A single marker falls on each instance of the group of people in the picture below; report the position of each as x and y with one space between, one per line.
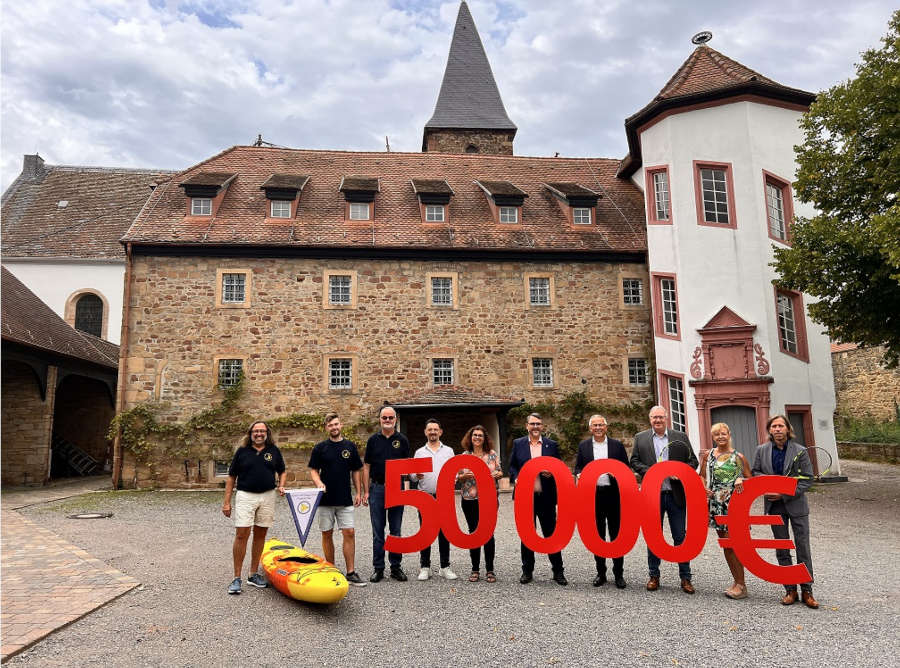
257 472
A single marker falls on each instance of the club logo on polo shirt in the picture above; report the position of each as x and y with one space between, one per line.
345 454
396 445
268 456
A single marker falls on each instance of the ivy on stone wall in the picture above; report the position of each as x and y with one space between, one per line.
569 417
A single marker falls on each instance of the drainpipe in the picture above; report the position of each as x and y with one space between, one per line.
118 460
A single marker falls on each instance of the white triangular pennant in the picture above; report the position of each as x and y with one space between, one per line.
303 504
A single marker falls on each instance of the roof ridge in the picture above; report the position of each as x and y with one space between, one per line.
113 170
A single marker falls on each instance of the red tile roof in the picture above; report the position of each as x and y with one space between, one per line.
843 347
455 395
320 218
29 321
100 205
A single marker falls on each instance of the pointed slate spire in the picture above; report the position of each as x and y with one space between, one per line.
469 114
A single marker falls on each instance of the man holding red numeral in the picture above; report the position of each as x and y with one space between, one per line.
525 448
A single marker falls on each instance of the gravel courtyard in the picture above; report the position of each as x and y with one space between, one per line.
178 545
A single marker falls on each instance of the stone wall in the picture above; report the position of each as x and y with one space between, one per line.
458 141
26 424
862 386
176 334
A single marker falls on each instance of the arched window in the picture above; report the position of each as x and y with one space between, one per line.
89 314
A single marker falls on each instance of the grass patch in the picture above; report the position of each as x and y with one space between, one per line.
868 430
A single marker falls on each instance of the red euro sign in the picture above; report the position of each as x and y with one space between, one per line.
739 520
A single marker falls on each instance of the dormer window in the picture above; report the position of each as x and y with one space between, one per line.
576 201
359 194
283 193
505 199
434 197
205 192
201 206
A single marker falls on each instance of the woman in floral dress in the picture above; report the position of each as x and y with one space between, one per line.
477 442
724 470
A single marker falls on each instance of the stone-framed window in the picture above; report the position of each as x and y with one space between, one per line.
542 371
632 292
87 310
233 287
220 468
637 371
229 371
441 289
659 196
201 206
791 322
779 208
714 189
442 371
339 289
539 290
340 373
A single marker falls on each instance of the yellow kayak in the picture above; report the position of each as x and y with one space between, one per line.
302 575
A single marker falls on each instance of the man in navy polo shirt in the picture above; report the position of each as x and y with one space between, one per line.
332 463
388 443
252 471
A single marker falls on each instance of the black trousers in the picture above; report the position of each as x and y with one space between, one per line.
545 512
608 512
443 550
470 510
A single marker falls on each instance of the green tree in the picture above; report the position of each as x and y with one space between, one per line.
849 169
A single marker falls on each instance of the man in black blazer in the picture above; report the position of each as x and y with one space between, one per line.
649 447
525 448
607 505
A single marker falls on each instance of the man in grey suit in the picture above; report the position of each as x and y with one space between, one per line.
777 457
649 448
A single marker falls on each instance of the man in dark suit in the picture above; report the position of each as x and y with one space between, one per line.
649 448
776 457
525 448
607 505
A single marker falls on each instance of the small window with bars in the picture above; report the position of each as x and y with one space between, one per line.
230 372
442 291
542 372
539 291
632 291
233 288
434 213
201 206
281 208
581 215
637 371
340 374
442 371
675 388
339 289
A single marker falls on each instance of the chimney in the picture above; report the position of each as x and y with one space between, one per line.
33 167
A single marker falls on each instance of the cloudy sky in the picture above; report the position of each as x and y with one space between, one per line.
167 83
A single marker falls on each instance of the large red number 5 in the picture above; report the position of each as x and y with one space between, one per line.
395 495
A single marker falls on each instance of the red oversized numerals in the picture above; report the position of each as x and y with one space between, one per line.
630 524
739 520
395 495
524 505
487 502
697 511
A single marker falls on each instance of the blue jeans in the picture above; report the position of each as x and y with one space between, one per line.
677 521
377 514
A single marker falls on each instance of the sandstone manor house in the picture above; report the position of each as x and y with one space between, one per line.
465 280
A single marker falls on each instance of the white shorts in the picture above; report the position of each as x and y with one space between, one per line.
252 509
328 515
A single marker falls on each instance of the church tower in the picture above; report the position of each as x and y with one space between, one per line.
469 116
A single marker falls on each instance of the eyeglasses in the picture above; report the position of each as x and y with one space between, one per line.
388 417
535 424
598 425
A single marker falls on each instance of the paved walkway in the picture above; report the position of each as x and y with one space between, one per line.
46 582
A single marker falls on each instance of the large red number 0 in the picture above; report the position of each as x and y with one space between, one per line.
395 495
524 505
630 524
487 502
697 511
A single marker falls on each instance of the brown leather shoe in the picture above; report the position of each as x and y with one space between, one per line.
808 600
791 597
686 586
653 583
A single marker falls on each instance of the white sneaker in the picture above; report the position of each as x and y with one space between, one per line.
447 574
424 573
